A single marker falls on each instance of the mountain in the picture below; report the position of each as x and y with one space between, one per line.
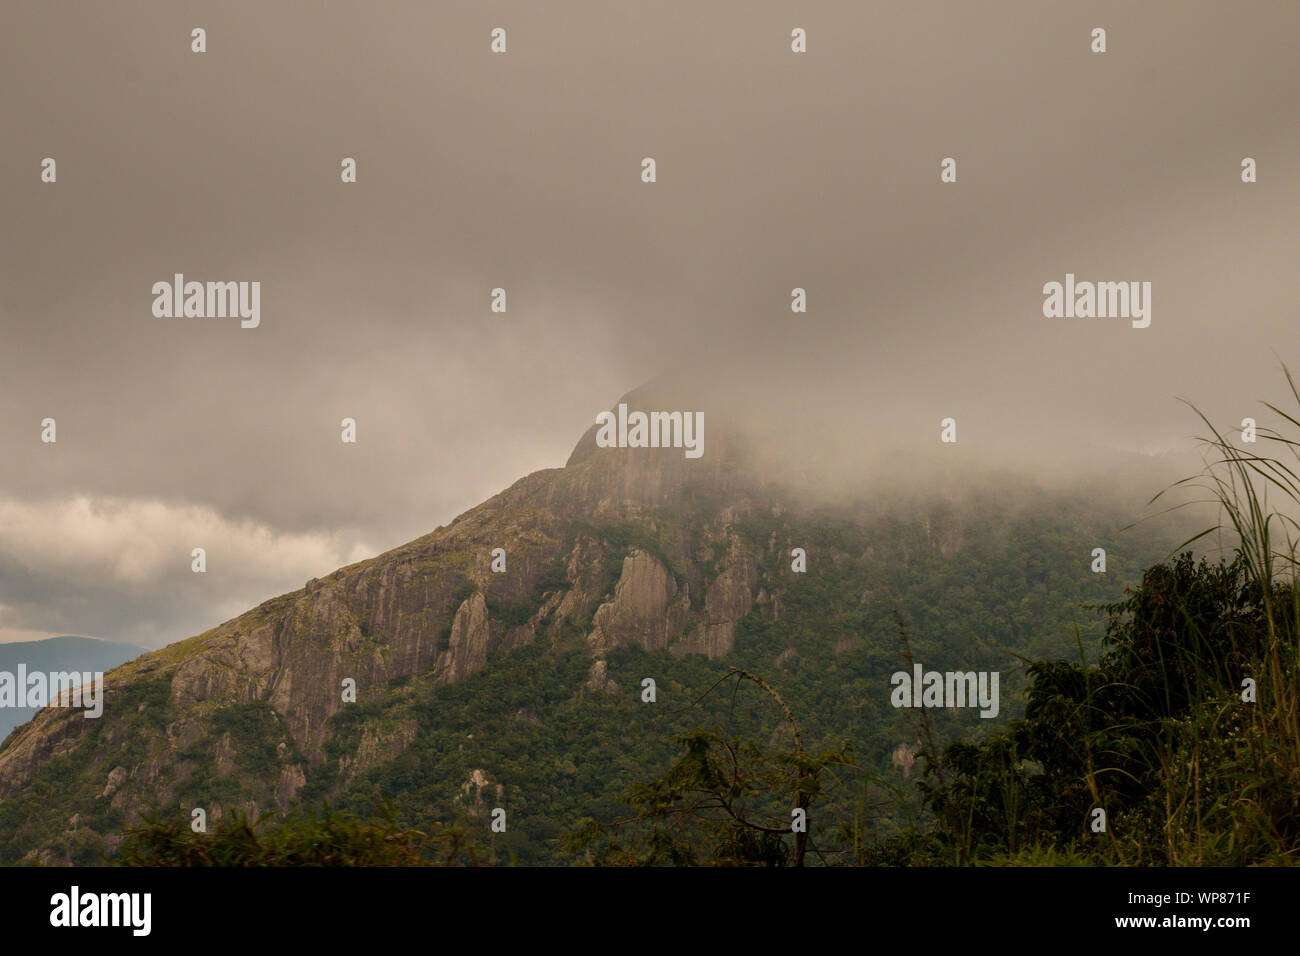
523 688
56 654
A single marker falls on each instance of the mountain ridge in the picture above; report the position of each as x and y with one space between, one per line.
622 548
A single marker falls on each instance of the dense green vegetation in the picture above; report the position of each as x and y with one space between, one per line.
303 839
1189 766
1172 704
1184 732
1180 745
797 716
556 753
1160 731
980 584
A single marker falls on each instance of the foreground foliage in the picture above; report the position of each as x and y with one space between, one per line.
309 838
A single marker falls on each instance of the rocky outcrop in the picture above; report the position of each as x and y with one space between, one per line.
729 598
582 571
469 639
644 612
292 779
376 746
477 791
116 777
598 678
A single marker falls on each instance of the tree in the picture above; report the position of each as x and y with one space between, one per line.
724 802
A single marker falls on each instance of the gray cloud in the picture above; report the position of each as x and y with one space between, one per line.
522 171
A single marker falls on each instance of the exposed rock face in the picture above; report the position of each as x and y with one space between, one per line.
469 639
376 746
115 779
643 611
291 781
904 756
729 598
477 790
598 677
581 568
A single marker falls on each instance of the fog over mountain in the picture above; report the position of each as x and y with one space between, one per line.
493 650
522 172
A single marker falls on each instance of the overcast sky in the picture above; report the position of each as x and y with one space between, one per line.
523 171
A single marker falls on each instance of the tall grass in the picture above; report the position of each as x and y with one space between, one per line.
1186 729
1258 500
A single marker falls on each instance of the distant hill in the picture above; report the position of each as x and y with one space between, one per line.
59 654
